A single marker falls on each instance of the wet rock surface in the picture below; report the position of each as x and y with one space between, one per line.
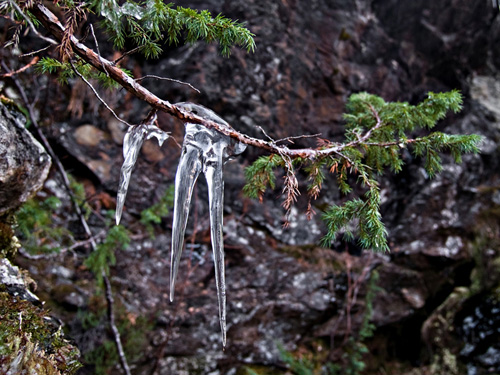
281 285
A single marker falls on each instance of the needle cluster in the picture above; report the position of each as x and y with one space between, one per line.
376 134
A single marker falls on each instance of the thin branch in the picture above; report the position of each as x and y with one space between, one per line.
290 139
35 52
126 54
265 133
64 250
168 79
114 329
97 95
97 48
20 70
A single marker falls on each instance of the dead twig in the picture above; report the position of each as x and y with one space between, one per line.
20 70
168 79
35 52
114 329
97 94
97 48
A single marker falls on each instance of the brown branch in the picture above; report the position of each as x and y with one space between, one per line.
20 70
52 24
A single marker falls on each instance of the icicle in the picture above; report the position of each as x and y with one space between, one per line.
204 150
132 143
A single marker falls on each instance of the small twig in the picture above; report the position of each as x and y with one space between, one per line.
97 95
97 48
34 52
126 54
111 317
32 27
168 79
20 70
62 251
267 135
290 139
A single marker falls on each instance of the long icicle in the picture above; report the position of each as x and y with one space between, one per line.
188 171
215 182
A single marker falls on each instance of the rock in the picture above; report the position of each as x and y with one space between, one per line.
89 135
15 283
24 163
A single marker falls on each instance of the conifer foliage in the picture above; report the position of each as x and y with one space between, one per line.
376 133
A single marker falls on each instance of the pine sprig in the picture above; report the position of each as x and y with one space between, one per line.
65 72
153 21
376 134
260 175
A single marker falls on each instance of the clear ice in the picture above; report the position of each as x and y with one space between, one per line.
204 150
132 143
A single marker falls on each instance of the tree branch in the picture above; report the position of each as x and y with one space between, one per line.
52 24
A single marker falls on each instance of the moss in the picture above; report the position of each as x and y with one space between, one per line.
29 342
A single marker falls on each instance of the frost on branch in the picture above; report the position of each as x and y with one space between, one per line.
132 143
204 150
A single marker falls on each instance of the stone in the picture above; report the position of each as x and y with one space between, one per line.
15 283
24 163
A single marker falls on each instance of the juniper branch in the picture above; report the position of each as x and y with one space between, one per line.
51 23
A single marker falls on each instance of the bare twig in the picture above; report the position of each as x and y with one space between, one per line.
111 317
97 48
20 70
35 52
97 95
265 133
168 79
64 250
126 54
290 139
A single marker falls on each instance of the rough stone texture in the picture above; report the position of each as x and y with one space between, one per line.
15 283
24 163
281 286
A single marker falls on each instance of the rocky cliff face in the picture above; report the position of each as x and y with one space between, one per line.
282 287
